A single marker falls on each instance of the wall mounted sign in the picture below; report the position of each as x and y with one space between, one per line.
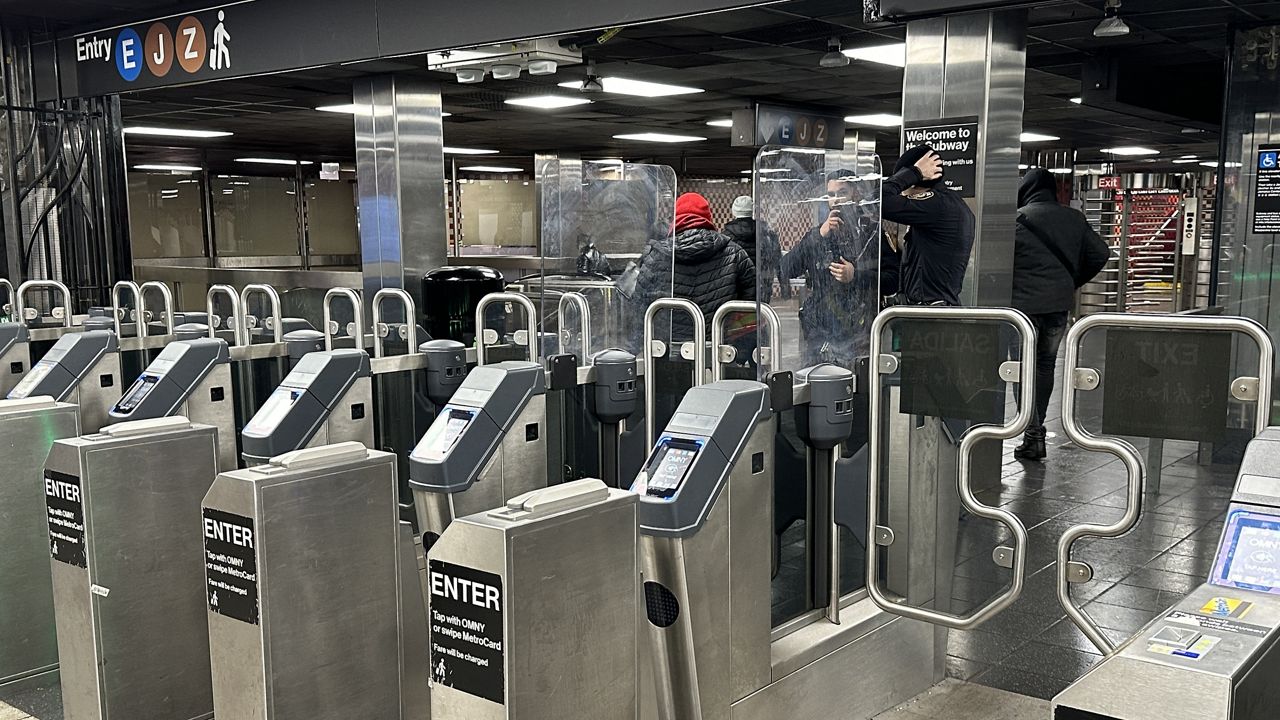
956 140
788 127
1266 191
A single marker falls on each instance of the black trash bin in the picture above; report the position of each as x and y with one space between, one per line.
450 296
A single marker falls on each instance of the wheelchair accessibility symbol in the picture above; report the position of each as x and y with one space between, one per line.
1268 160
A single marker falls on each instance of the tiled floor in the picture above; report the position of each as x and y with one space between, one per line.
956 700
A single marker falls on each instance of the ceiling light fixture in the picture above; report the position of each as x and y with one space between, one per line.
1111 25
721 123
491 169
638 88
175 132
1214 164
1030 137
468 151
894 54
1188 161
876 120
273 161
834 58
1188 157
659 137
548 102
169 168
1077 100
1130 150
1060 171
347 108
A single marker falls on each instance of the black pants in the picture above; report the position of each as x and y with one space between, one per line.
1050 327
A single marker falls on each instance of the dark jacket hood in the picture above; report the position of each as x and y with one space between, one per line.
1037 186
743 232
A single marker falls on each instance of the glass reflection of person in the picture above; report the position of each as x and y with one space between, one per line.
839 260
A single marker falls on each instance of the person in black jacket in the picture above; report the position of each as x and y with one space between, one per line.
1056 252
762 246
936 249
708 269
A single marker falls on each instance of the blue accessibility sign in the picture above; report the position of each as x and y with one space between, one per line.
1268 160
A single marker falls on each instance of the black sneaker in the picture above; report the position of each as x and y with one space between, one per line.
1030 449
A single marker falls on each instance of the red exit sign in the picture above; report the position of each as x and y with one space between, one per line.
1109 182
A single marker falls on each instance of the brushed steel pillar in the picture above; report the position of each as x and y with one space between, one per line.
400 182
975 65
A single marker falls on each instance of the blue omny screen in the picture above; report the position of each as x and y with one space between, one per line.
1249 557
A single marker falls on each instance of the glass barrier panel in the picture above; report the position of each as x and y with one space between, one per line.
254 216
166 215
497 217
332 228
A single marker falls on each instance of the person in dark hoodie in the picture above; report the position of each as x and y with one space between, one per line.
709 268
936 249
1056 252
761 244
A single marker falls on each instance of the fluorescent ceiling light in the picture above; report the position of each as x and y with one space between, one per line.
1077 100
894 54
273 161
169 168
1188 157
1024 167
188 182
348 108
492 169
175 132
659 137
1187 161
468 151
1060 171
1030 137
1130 150
877 120
721 123
1214 164
639 88
548 102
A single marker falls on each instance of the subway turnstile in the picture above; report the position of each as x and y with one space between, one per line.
128 574
15 355
534 608
314 603
28 640
81 368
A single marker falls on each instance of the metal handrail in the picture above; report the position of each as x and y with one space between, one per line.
763 312
166 297
239 329
55 286
356 328
1074 380
584 314
117 311
699 355
4 282
381 330
531 315
887 365
272 295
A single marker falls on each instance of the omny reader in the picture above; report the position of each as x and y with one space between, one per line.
326 398
81 368
191 378
487 445
1213 655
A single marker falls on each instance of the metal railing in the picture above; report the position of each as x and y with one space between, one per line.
725 354
382 330
9 300
275 320
235 321
531 324
166 298
355 328
1076 378
881 536
695 350
118 311
26 313
579 301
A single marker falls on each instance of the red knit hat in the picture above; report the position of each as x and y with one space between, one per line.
693 211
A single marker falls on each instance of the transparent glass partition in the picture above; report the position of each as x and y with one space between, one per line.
166 215
496 217
818 262
254 216
332 228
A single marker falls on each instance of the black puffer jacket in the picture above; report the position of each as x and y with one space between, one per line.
1042 282
764 249
709 270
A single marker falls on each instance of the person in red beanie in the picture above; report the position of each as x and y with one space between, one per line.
708 267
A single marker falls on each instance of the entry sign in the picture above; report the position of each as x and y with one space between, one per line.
466 609
952 369
1266 193
65 509
788 127
1168 385
956 141
231 565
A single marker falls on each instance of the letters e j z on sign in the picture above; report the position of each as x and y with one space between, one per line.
183 41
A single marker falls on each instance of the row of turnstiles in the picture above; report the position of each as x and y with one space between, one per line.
185 558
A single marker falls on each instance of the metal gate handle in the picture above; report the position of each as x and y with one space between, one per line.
4 282
166 297
764 313
531 324
357 311
1079 435
117 310
410 319
964 484
584 314
57 288
239 331
272 296
699 355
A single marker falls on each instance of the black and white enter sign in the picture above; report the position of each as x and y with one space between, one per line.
466 630
231 565
65 509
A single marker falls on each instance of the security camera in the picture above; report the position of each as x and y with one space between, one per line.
505 72
470 75
543 67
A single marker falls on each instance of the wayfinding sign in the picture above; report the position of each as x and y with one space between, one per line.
1266 191
956 140
466 612
951 369
788 127
1166 384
